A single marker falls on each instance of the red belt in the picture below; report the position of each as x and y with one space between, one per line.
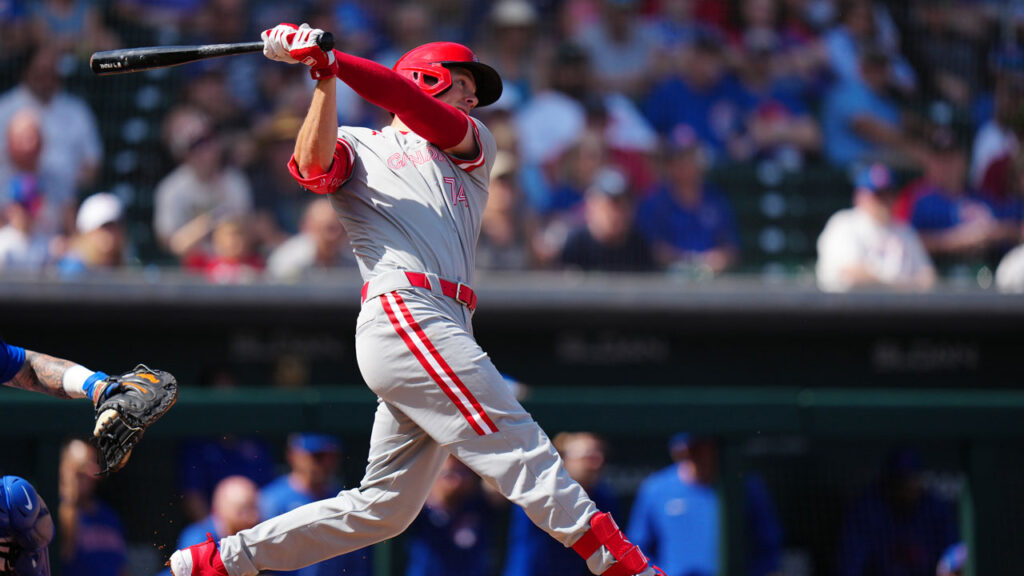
457 291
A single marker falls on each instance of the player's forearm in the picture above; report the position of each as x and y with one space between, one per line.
42 373
437 122
314 146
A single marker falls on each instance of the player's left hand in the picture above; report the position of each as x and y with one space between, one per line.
126 406
288 43
277 42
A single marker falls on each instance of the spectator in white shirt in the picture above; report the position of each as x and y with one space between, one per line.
864 247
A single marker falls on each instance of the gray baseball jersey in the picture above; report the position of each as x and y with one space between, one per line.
409 207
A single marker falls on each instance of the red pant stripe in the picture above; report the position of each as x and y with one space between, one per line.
478 410
415 348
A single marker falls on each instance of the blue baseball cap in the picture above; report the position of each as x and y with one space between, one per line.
953 560
314 443
679 441
875 178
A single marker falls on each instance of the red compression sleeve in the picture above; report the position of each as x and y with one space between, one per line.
441 124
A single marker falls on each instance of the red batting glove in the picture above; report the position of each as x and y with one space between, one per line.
303 48
290 43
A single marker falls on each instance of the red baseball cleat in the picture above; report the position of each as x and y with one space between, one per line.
198 560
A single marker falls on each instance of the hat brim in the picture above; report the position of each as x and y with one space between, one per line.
488 81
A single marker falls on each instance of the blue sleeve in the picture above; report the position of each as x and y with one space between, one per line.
932 213
660 105
639 532
12 358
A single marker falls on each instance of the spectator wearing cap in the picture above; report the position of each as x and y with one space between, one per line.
676 517
861 123
203 190
702 96
71 147
953 561
897 526
313 461
608 239
99 243
322 244
688 223
955 222
864 246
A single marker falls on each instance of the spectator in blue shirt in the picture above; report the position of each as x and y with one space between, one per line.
688 223
531 552
954 221
861 122
608 239
451 535
92 539
205 462
777 120
897 527
676 516
233 508
313 459
705 98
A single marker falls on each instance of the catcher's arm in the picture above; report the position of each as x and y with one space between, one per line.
42 373
125 405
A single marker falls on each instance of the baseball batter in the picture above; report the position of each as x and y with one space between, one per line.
411 197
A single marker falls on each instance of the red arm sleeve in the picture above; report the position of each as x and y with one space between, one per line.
441 124
340 172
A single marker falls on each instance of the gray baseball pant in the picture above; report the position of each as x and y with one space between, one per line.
438 393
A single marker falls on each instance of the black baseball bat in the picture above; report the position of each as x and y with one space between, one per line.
127 60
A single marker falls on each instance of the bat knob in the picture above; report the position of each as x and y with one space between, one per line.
326 42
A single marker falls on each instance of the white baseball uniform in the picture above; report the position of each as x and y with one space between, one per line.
409 207
892 252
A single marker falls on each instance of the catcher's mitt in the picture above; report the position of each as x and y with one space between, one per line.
126 405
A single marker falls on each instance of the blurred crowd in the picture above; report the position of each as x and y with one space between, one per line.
617 117
893 524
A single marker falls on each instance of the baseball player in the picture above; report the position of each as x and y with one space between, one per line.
125 405
26 529
410 196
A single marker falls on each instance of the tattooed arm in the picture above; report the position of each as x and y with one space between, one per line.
42 373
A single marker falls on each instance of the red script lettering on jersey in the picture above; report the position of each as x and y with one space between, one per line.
422 156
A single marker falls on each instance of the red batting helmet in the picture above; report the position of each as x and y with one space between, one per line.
429 66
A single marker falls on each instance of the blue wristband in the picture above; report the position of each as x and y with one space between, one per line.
12 358
90 383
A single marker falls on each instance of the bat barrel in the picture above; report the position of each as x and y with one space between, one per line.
138 59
